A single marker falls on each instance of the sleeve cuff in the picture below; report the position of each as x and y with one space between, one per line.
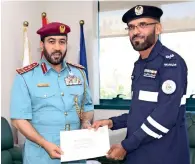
88 108
113 122
27 116
131 143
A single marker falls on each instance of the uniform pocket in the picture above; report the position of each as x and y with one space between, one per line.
43 93
150 81
43 97
76 96
76 89
75 99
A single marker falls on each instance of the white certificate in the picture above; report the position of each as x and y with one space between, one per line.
84 144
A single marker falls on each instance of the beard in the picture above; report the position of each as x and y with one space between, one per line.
54 58
147 43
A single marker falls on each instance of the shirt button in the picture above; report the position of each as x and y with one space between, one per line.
66 114
62 94
58 75
45 95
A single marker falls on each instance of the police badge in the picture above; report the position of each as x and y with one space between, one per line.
62 28
139 10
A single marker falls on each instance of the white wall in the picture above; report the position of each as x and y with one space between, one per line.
68 12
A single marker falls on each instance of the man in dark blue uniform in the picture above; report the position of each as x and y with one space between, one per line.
156 131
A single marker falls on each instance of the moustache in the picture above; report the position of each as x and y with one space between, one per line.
137 36
57 52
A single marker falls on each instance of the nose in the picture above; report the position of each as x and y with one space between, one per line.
57 46
136 31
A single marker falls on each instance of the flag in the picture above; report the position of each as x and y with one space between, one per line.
26 60
44 19
83 57
44 22
26 56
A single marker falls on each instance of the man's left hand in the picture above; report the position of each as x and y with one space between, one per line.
116 152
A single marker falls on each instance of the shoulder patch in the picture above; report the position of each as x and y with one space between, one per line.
27 68
76 65
168 86
171 60
173 64
170 56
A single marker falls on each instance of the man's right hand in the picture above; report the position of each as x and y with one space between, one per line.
29 132
53 150
97 124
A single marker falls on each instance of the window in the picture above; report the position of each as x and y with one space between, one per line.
117 59
117 56
183 43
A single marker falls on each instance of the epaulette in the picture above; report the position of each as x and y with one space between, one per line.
27 68
76 65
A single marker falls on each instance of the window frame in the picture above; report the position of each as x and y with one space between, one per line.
118 103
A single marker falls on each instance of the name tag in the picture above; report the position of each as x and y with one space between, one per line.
43 85
150 73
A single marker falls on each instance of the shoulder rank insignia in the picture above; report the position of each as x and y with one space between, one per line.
76 65
169 56
27 68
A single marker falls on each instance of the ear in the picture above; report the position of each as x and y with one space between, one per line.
41 45
158 28
66 38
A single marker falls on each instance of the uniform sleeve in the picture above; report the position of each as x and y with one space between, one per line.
171 96
20 106
119 122
88 104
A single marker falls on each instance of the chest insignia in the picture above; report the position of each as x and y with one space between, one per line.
72 80
150 73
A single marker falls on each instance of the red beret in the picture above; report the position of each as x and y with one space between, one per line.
54 28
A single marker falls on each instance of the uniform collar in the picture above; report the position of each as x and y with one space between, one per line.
154 53
46 66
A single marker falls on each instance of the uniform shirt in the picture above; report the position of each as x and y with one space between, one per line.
47 101
159 85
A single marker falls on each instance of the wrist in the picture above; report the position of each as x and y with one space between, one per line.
43 142
123 144
85 124
110 125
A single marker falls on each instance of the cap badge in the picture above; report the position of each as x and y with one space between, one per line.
62 28
139 10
